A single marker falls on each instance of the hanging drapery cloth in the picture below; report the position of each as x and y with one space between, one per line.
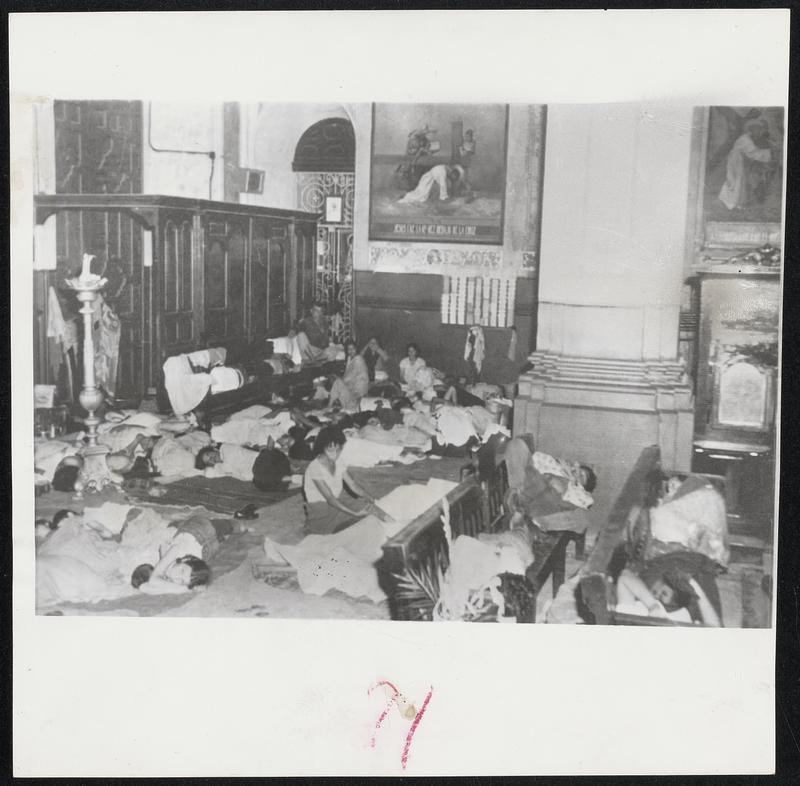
56 329
62 339
475 347
512 345
106 332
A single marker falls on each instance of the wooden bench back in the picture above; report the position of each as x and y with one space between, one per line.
593 588
474 506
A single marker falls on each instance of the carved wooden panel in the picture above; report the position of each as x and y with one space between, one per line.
226 251
98 149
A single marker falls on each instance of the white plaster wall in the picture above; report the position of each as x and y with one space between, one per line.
187 127
615 206
269 134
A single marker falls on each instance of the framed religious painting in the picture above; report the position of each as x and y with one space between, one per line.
741 179
438 172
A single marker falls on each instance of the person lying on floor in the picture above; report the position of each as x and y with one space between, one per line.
687 513
328 506
183 559
81 560
257 426
680 586
454 431
268 469
162 455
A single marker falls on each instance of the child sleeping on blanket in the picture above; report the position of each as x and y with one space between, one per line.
183 558
82 560
680 586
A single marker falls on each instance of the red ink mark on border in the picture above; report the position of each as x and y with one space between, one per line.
382 716
415 723
393 698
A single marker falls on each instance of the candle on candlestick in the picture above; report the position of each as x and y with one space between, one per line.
86 270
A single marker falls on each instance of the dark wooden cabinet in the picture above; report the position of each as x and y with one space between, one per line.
196 273
736 388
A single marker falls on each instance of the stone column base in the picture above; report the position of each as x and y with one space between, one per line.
604 412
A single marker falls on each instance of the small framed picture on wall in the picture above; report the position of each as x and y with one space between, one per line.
333 210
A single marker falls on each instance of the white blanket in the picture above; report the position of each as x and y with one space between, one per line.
346 560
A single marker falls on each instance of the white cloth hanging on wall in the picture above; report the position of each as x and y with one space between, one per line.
475 347
512 345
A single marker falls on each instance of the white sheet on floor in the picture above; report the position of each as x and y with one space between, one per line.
251 413
111 515
359 452
252 431
346 560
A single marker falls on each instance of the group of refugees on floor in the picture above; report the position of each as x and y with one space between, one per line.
372 411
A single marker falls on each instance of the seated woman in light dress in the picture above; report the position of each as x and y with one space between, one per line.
329 508
353 385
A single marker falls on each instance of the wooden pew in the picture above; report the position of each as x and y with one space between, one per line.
476 506
594 589
593 585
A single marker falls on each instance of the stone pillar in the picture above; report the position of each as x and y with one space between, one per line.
606 381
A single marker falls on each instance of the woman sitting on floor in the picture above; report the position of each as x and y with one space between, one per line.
376 359
328 507
350 388
410 367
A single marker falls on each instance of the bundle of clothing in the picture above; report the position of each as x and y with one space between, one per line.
189 378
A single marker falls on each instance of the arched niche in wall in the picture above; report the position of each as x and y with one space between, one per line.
324 161
326 146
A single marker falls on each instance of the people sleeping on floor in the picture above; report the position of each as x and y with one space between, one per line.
94 556
268 469
314 337
56 462
454 431
348 390
256 426
183 557
670 586
684 513
329 507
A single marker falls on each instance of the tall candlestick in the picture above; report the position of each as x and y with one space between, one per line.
95 473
